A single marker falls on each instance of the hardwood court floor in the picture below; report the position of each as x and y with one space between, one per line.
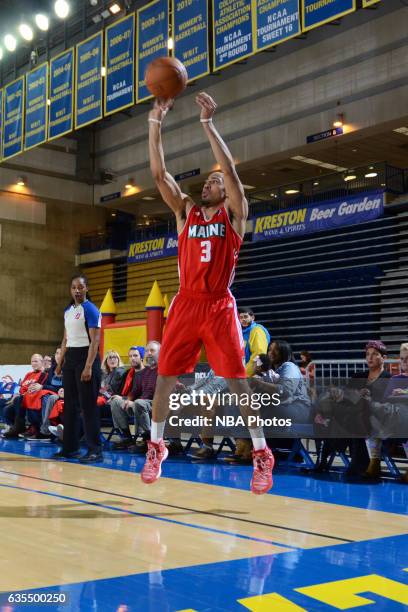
68 527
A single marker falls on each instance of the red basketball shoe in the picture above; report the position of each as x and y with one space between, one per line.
156 454
262 476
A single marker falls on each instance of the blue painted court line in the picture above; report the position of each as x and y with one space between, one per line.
389 496
217 587
149 516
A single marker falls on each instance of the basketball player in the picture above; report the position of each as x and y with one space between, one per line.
204 310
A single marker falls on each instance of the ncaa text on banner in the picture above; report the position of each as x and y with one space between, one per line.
276 21
233 31
120 65
317 12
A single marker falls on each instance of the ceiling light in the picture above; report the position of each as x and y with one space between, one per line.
291 191
42 22
316 162
93 2
371 174
1 53
61 8
339 121
48 102
130 183
315 184
115 8
350 177
103 71
26 32
248 187
148 199
402 130
10 42
113 214
170 43
263 173
21 181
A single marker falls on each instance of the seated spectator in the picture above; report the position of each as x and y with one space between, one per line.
123 397
53 384
56 416
256 338
15 411
347 410
112 379
47 363
306 365
384 411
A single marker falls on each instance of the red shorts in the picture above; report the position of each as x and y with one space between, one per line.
195 320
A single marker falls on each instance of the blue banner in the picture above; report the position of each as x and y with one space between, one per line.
276 22
120 65
233 31
1 124
322 217
88 81
190 34
156 248
152 38
13 107
315 14
36 109
61 117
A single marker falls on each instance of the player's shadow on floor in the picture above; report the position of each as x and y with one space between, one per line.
64 511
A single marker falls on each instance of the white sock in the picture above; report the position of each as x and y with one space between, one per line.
258 438
157 431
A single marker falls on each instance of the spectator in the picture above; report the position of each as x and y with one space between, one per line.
397 388
112 380
348 410
256 338
121 401
47 363
306 365
142 394
15 410
46 395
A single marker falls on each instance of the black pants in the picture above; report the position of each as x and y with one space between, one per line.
80 398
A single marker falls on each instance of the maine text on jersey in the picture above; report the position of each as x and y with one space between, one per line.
206 231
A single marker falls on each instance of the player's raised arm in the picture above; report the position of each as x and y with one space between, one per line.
236 202
170 191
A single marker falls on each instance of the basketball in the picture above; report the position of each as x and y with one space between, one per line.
166 77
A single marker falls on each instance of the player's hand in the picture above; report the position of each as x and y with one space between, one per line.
160 108
207 105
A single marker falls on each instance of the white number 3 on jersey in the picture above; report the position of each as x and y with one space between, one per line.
205 251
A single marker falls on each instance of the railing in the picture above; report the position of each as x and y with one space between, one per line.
326 371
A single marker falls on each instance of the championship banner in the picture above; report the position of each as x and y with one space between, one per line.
120 65
156 248
152 38
369 2
61 117
322 217
88 81
276 21
1 124
13 106
36 109
190 34
317 12
233 31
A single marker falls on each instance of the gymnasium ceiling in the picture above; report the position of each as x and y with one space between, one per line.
350 151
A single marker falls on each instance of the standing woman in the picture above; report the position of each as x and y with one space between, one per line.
81 367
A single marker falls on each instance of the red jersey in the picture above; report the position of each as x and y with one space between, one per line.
207 252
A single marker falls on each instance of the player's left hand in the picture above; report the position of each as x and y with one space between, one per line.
207 105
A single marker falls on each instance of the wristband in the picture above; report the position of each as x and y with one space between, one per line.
206 120
151 120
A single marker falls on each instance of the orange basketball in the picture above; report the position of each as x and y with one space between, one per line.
166 77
